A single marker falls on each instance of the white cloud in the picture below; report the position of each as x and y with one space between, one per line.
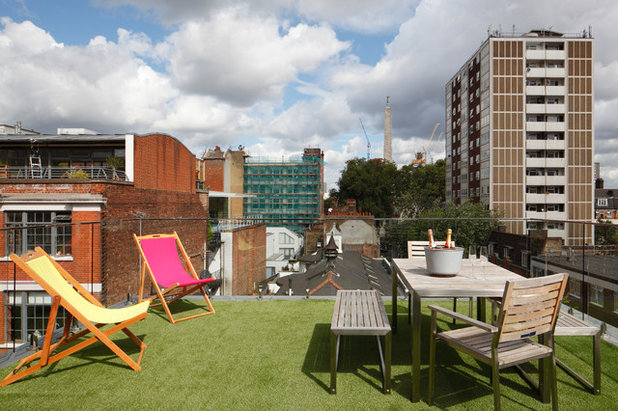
365 16
101 85
242 58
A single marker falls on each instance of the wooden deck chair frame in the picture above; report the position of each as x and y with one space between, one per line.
49 354
530 308
179 291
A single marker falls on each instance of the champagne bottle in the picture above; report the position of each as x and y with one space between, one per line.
430 235
448 238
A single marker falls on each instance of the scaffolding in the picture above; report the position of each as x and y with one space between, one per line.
287 193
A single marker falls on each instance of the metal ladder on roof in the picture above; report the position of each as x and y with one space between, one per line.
36 169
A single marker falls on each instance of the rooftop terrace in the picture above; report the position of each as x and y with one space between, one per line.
273 354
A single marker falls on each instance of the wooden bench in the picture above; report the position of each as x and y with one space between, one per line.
568 325
360 312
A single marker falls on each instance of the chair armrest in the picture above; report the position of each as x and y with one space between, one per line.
464 318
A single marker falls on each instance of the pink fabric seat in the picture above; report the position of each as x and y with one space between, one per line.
165 264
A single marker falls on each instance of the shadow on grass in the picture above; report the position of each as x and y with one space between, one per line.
179 308
358 355
98 353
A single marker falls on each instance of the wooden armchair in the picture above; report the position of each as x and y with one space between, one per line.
530 308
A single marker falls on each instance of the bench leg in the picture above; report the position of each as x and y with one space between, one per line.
387 360
596 355
595 387
334 354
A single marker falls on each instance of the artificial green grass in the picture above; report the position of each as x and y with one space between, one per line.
275 355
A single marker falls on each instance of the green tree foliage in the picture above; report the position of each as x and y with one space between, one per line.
605 235
470 223
372 183
422 188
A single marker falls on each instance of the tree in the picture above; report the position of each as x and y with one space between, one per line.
605 235
423 188
372 183
470 223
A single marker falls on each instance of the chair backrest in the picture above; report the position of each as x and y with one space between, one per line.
416 249
161 254
530 307
41 268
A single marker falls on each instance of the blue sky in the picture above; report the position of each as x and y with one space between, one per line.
272 75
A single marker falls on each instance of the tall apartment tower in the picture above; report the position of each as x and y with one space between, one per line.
388 142
519 134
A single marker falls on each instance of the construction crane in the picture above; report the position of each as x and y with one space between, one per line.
431 138
432 146
368 143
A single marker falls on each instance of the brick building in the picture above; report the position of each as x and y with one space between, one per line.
103 188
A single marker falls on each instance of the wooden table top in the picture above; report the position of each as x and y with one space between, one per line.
474 280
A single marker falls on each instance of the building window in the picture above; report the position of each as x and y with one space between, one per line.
287 252
41 231
28 311
524 258
596 295
285 239
602 202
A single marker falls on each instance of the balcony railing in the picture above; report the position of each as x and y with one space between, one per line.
587 251
55 172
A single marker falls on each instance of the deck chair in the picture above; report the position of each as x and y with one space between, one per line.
167 272
82 306
530 308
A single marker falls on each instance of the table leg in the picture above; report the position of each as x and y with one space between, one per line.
481 309
416 347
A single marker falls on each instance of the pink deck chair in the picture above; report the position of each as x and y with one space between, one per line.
167 272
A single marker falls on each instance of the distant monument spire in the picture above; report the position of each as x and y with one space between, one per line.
388 145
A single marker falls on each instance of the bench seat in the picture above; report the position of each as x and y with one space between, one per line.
360 312
568 325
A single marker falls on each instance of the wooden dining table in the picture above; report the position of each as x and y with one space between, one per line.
475 279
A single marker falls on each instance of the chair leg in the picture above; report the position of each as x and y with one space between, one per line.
554 384
495 382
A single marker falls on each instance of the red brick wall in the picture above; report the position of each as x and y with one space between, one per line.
114 261
249 258
164 163
121 257
213 173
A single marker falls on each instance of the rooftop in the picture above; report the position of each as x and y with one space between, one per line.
273 354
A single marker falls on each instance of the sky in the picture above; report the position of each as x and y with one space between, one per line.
274 76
